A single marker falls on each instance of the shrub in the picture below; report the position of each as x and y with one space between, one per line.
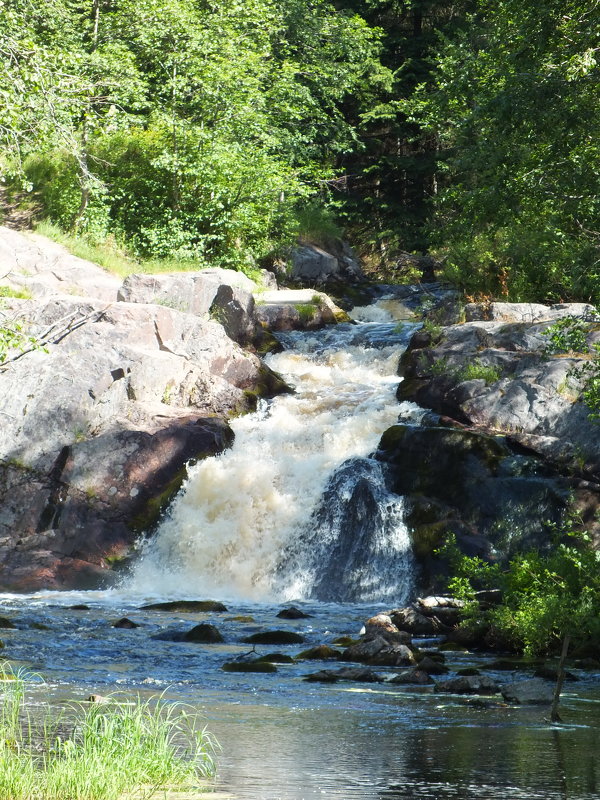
544 595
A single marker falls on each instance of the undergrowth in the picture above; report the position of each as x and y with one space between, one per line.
110 255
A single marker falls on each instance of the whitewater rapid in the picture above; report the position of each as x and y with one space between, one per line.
237 513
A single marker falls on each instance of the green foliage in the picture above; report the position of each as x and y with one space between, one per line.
478 371
306 311
544 595
15 339
568 335
21 294
102 753
188 131
433 329
317 224
516 95
472 371
591 390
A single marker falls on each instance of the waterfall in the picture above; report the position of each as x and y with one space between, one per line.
295 500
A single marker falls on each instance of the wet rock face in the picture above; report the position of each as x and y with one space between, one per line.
62 528
471 485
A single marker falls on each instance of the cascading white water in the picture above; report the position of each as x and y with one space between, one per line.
229 528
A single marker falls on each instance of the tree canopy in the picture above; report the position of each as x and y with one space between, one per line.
204 130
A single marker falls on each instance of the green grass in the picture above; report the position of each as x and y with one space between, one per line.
476 370
307 311
110 255
116 259
105 752
22 294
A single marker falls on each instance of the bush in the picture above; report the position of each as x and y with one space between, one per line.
544 596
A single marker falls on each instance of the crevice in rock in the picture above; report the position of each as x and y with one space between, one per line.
50 516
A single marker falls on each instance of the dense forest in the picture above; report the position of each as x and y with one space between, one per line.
220 132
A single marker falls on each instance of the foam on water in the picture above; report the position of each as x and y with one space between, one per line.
237 513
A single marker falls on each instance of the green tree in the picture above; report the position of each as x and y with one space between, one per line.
188 129
514 107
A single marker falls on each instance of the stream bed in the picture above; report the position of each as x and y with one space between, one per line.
285 739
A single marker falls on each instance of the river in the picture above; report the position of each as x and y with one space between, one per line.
264 525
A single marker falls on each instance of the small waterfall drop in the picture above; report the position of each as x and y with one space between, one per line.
269 517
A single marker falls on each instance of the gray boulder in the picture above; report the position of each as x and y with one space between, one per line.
526 312
414 676
43 268
382 625
378 650
297 309
356 674
220 294
468 684
204 633
534 691
499 377
312 264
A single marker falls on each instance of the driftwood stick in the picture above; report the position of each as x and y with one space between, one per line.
560 678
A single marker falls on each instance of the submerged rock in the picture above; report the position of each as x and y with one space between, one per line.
277 658
414 676
346 674
530 692
322 652
249 666
468 684
204 634
187 606
126 623
550 673
274 637
431 667
292 613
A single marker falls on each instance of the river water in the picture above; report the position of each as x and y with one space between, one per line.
266 524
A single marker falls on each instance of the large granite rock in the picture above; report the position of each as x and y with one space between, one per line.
96 432
224 295
520 390
312 264
526 312
41 267
297 309
497 378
